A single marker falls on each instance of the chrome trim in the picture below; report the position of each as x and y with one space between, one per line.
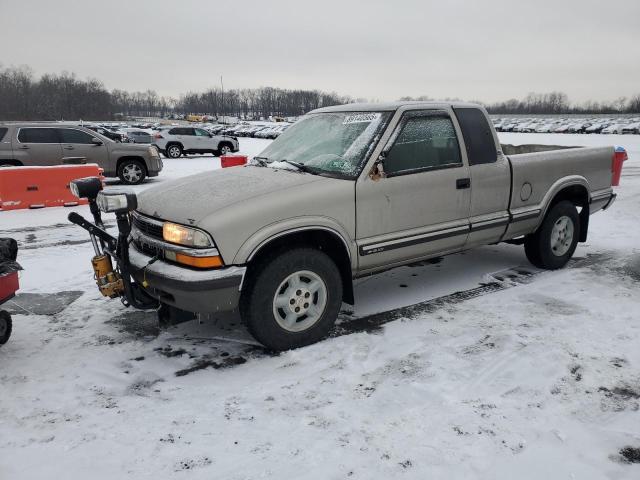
137 235
381 246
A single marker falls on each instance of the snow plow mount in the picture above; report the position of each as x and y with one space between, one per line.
112 282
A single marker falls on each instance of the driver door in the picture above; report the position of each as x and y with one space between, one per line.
420 206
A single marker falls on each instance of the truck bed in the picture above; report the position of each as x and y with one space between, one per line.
539 172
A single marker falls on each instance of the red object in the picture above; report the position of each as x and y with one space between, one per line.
233 160
619 157
38 187
8 286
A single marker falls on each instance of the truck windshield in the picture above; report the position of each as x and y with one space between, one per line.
335 144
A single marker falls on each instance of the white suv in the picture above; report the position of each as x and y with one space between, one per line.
176 141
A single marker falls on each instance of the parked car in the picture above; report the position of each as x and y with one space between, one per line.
176 141
139 136
115 136
346 192
615 128
34 144
631 128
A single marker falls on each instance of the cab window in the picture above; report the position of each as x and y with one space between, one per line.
38 135
424 141
201 133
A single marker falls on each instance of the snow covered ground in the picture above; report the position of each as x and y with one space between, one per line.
535 376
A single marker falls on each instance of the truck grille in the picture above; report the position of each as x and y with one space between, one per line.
148 226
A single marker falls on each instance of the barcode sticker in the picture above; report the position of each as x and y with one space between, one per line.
361 118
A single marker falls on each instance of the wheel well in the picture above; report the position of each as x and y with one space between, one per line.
224 142
327 242
579 196
173 143
121 160
15 163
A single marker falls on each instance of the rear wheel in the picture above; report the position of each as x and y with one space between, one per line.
132 172
5 327
174 151
554 243
292 299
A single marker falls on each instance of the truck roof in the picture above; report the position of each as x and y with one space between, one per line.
390 106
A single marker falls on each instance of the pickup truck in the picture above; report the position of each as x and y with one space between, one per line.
352 190
43 144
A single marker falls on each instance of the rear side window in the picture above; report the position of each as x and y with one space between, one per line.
478 138
71 135
425 141
38 135
181 131
3 132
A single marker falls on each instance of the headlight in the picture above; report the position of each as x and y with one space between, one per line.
86 187
117 201
189 237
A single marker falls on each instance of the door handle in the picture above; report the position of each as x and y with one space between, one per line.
24 147
463 183
69 147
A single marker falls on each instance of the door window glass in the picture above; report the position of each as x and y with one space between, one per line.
38 135
424 142
71 135
201 133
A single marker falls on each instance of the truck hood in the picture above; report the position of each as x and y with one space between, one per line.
190 199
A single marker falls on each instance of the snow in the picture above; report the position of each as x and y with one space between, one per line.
538 380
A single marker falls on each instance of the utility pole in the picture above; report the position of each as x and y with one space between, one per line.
222 86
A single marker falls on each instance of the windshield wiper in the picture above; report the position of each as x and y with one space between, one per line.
262 161
300 166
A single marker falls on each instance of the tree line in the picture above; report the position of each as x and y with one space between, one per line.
65 97
554 103
23 96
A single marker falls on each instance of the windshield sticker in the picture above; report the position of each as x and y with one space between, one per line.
361 118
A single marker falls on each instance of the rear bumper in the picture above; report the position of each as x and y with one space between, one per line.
201 291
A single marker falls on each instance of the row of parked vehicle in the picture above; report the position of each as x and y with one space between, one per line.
252 130
566 125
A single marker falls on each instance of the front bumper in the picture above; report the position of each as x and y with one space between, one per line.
201 291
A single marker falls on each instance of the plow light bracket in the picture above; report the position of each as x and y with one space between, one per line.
87 187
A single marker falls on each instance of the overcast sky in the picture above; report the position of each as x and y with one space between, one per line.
475 50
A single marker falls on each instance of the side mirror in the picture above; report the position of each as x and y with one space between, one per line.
377 172
96 141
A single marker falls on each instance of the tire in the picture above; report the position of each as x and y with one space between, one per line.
554 243
224 148
283 283
5 327
132 172
174 150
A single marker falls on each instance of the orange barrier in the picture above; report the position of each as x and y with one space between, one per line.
39 187
232 160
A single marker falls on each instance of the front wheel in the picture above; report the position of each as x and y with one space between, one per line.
5 327
224 149
554 243
292 299
132 172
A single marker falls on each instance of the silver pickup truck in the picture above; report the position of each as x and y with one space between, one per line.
349 191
